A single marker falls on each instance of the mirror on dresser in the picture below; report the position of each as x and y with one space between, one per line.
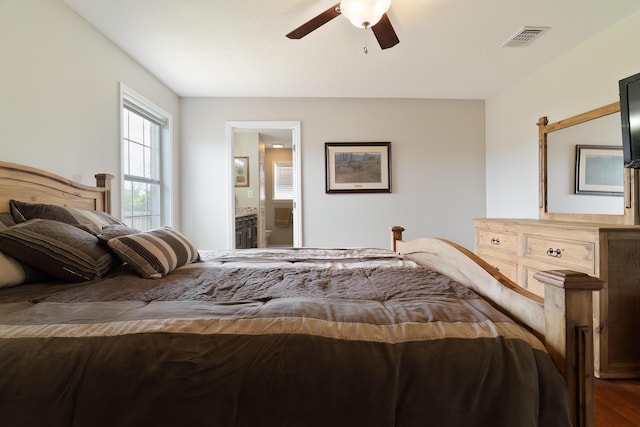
567 148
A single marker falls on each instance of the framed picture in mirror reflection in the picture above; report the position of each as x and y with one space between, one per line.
599 170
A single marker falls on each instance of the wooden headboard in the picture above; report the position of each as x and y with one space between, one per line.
31 185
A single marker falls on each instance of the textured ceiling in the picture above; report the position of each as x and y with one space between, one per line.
448 48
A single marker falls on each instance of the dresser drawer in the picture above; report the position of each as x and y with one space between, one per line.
499 240
571 254
507 268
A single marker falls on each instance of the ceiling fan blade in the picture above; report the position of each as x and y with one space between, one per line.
315 23
385 34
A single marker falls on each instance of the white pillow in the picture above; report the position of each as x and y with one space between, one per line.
11 271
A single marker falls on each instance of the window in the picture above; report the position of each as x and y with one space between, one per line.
144 139
282 181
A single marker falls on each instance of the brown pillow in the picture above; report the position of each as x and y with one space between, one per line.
56 248
6 220
156 253
88 220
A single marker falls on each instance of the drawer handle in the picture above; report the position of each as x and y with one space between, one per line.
495 241
556 253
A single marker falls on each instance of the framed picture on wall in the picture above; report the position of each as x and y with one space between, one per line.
358 167
599 170
241 166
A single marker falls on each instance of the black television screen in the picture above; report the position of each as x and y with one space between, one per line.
630 117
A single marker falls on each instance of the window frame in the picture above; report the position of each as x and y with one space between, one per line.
138 104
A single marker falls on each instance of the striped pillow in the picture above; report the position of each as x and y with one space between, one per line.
56 248
156 253
88 220
115 230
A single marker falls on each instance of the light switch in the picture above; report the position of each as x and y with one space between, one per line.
250 194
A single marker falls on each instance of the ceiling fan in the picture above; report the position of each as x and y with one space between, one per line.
362 13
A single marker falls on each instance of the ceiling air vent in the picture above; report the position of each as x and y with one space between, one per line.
524 36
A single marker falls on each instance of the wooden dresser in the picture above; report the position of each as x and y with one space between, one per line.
519 248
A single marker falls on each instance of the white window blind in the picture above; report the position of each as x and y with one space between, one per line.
282 181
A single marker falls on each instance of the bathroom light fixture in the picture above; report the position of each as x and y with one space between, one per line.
364 13
277 146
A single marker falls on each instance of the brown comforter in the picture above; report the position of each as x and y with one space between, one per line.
344 338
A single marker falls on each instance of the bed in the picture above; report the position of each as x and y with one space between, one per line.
424 333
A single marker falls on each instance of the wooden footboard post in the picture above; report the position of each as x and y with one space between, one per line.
396 234
568 308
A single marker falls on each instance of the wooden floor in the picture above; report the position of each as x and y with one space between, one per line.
617 403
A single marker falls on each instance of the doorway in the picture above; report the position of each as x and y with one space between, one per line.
259 142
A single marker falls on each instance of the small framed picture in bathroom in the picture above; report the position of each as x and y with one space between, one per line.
241 167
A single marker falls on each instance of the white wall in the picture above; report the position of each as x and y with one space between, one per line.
437 153
59 94
581 80
59 111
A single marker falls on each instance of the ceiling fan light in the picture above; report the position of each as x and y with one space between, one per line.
364 13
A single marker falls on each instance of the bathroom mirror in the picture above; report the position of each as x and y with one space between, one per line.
573 153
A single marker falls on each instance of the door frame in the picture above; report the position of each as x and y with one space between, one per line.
294 127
